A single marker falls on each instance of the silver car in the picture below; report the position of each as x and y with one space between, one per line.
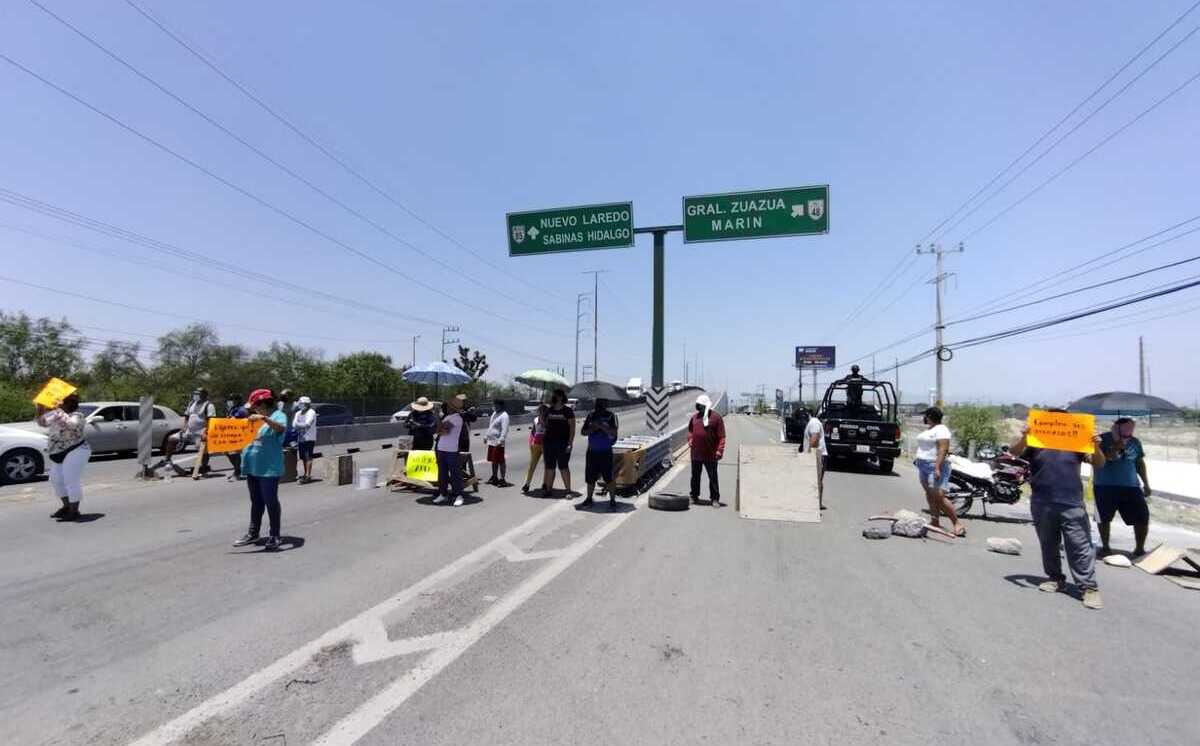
112 426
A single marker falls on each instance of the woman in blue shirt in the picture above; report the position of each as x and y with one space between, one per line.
262 465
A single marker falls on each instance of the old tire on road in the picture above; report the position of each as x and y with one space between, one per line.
668 501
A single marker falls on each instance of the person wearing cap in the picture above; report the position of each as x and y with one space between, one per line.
195 426
450 478
262 463
495 438
933 470
422 424
1059 517
1117 485
814 442
305 425
706 438
69 452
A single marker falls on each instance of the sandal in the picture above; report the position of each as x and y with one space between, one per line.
961 532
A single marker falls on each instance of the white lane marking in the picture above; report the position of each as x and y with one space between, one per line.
360 722
357 627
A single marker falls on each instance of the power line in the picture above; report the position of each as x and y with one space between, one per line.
204 59
1081 122
1175 91
874 294
269 159
252 196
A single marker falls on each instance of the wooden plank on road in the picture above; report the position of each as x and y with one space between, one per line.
775 483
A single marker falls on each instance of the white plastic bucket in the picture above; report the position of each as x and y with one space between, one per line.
368 478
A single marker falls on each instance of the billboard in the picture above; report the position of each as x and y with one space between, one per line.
816 358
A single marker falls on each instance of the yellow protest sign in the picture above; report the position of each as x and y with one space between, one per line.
53 393
421 465
229 434
1061 431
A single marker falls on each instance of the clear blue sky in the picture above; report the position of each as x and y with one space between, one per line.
465 111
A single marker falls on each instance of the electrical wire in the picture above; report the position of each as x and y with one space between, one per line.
440 292
1073 129
314 143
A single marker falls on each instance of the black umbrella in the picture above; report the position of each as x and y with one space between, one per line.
1123 403
597 390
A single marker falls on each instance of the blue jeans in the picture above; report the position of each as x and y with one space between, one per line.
449 471
264 495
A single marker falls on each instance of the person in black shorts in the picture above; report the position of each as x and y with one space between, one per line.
600 427
1122 486
556 447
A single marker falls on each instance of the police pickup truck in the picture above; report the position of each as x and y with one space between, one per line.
859 417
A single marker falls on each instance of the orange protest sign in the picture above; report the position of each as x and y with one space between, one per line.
229 434
53 393
1061 431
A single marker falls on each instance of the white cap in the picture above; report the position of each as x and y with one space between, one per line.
305 400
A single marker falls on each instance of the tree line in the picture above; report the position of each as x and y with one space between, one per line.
34 350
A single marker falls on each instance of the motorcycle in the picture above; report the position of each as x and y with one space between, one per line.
996 482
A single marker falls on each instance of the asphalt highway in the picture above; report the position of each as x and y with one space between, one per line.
521 620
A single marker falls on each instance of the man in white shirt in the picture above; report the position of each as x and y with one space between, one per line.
814 439
495 437
305 425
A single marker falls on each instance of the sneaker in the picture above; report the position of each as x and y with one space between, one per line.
695 499
492 480
524 489
272 543
458 501
61 512
503 483
1092 600
715 502
1053 586
248 538
71 514
439 499
587 503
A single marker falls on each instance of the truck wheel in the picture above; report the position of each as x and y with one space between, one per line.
669 502
885 465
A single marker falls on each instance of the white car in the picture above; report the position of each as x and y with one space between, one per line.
23 455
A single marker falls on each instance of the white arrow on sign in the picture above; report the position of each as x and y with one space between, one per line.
798 211
533 232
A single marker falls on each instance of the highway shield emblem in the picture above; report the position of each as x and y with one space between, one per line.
816 208
518 233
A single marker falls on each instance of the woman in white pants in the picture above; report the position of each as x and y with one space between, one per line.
69 453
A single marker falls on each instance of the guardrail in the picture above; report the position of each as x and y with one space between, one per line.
639 459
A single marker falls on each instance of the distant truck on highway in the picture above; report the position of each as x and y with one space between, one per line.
633 389
859 416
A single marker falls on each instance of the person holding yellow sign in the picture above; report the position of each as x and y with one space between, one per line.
69 452
1057 501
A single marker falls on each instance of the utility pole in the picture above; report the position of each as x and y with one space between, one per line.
899 397
578 315
872 366
595 273
1141 367
415 338
938 281
445 341
685 363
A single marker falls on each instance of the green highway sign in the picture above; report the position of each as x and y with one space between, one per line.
581 228
801 211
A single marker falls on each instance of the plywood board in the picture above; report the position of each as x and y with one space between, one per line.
1165 556
775 483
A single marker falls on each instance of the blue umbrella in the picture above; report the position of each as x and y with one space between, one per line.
437 373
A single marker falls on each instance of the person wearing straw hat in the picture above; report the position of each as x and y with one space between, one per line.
450 477
422 424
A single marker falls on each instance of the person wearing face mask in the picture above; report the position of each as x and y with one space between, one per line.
262 463
1117 485
600 427
237 410
556 444
933 445
195 426
69 453
706 438
305 425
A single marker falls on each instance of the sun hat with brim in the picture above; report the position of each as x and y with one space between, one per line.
259 395
422 404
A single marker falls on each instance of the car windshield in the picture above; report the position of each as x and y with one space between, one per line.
87 409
